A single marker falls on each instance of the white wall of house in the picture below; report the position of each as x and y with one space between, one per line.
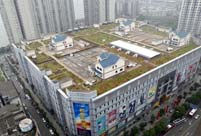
67 43
113 70
177 41
127 28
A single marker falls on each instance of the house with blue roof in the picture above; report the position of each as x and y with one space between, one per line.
60 42
179 38
127 25
109 65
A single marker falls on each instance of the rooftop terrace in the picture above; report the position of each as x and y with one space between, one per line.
76 66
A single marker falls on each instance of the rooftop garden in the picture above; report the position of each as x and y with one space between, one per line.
165 58
46 42
58 71
84 32
108 27
100 38
41 58
184 49
113 82
153 30
33 46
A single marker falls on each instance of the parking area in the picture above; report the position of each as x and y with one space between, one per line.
80 62
141 36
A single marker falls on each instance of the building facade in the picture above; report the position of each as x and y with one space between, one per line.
85 113
110 10
128 8
190 17
11 21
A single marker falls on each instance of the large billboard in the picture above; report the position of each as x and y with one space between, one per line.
165 83
151 94
101 125
82 119
132 106
112 119
191 70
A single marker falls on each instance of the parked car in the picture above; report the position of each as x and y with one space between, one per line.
51 131
44 120
27 97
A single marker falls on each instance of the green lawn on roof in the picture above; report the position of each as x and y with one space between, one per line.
101 38
110 83
88 31
182 50
46 42
58 71
152 30
108 27
41 58
33 46
51 65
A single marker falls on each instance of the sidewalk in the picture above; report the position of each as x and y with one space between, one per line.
48 115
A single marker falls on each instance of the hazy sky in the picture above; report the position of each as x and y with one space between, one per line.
3 35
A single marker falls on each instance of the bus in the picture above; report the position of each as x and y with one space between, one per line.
192 112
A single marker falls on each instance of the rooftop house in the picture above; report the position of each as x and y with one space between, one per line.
109 65
127 25
179 38
60 42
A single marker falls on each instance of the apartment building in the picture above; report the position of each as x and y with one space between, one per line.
190 17
31 19
11 21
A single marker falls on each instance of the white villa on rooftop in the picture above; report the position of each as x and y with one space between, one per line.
127 25
60 42
179 38
144 52
109 65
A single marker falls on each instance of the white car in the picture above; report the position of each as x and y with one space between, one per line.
51 131
28 97
44 121
197 116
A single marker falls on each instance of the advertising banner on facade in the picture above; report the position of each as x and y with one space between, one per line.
151 94
122 112
101 125
122 123
132 105
112 119
82 119
112 130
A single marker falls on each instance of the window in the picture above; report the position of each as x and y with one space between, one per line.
116 71
99 68
121 69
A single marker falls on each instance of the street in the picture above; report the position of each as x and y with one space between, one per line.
44 131
187 128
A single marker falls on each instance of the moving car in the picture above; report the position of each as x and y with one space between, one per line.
197 116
